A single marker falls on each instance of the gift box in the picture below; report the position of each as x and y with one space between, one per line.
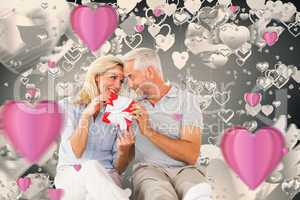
118 111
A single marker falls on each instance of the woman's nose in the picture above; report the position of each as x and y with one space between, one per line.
117 84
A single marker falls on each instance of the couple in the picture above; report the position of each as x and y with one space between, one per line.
164 139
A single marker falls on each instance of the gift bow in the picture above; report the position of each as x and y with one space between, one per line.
118 111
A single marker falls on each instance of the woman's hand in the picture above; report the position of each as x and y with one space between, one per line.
125 148
95 105
125 141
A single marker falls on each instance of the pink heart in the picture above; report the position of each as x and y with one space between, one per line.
77 167
51 64
139 28
55 194
31 130
94 27
157 12
270 37
32 91
252 98
177 116
24 183
253 156
233 8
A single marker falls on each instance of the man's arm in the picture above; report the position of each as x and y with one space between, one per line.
185 149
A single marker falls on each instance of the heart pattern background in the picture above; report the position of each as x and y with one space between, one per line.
218 50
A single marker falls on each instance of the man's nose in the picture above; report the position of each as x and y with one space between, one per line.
130 84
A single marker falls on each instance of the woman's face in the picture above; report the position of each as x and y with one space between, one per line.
111 80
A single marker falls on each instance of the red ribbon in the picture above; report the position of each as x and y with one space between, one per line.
113 96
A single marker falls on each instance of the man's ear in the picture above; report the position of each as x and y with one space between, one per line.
150 71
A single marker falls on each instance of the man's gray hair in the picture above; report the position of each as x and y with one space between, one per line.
144 57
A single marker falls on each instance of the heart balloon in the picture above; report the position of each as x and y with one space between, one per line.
253 156
94 27
31 130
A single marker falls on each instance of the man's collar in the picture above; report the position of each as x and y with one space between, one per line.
173 92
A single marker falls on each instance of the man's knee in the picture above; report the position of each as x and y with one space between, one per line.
155 190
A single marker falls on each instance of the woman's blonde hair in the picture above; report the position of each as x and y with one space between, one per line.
89 89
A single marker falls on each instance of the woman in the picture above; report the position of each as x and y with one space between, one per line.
92 154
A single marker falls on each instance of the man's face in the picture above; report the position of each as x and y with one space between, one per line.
135 77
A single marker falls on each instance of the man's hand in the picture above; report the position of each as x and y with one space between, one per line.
140 113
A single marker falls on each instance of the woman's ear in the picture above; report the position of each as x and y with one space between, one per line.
97 80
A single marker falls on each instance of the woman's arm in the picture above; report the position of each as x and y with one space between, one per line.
124 159
79 138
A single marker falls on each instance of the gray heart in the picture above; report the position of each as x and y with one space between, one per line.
226 115
221 97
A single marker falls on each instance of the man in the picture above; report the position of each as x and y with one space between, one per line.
168 139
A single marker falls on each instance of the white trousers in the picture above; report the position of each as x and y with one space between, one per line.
91 182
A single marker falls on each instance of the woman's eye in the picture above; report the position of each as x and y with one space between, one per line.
114 77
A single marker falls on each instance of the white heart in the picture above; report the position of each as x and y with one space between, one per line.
165 42
234 36
127 5
180 59
42 67
180 17
64 89
276 103
154 29
218 60
53 70
226 115
296 76
264 82
267 109
256 4
221 97
224 2
135 40
120 32
169 9
106 47
210 86
192 5
253 110
205 101
262 66
155 3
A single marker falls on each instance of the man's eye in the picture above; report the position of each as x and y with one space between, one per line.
114 77
122 81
